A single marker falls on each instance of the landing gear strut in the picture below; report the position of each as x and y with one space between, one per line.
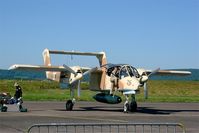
132 106
70 103
126 104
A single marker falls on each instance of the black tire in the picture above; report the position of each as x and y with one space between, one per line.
4 109
133 107
69 105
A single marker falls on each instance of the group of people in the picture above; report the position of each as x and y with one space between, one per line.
5 98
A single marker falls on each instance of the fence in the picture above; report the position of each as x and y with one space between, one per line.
107 128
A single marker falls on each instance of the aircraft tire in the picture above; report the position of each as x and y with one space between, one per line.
4 109
133 106
69 105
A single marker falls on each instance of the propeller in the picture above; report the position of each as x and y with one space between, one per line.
154 71
69 69
89 71
75 83
77 79
80 75
145 83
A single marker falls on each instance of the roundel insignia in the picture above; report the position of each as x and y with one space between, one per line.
129 82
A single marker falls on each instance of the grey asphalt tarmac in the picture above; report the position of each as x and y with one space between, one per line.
94 112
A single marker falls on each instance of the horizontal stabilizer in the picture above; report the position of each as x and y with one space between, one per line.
101 56
77 53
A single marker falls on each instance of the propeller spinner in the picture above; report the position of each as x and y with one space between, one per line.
144 78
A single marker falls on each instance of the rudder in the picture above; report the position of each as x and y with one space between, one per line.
47 62
46 57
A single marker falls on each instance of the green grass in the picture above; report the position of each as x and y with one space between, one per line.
159 91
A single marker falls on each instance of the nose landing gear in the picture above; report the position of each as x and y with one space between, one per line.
130 106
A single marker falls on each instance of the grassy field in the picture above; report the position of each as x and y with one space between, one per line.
159 91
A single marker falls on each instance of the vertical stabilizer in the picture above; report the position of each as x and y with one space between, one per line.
46 57
103 61
102 58
47 62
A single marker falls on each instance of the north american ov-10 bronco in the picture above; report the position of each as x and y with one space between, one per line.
107 79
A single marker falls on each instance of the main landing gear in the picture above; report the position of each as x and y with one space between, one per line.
70 103
132 106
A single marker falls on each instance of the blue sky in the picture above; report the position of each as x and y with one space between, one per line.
144 33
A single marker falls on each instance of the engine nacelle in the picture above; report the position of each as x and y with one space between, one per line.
107 98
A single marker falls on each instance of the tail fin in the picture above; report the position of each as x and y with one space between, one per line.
46 57
47 62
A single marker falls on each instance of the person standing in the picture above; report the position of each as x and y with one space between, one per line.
18 92
114 80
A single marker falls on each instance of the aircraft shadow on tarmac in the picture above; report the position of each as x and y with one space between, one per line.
149 110
102 108
96 108
144 110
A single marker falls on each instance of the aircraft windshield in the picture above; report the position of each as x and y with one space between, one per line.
131 73
123 73
135 72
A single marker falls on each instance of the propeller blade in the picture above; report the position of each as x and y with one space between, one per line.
69 69
154 71
78 77
89 71
145 91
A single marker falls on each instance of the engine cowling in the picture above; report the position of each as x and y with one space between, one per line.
107 98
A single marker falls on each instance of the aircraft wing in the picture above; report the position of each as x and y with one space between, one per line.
35 67
169 72
43 68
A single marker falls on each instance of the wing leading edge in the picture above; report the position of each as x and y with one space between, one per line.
170 72
42 68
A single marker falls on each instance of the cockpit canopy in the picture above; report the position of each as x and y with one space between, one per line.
121 70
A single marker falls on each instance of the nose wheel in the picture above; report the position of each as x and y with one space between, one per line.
130 106
133 106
